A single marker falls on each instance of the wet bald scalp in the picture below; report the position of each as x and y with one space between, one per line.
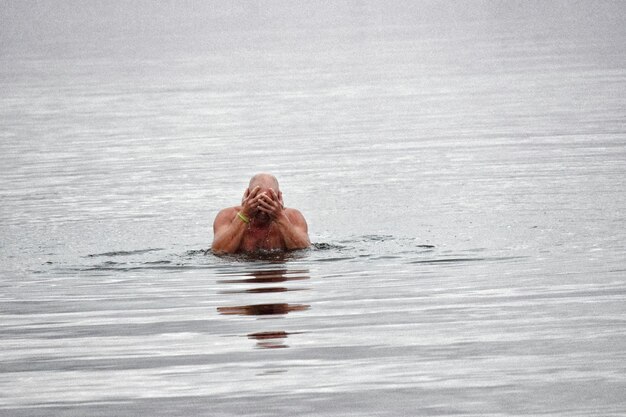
264 180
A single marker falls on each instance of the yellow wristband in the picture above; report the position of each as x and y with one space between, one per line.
243 217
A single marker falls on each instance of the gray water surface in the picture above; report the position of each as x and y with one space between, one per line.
461 168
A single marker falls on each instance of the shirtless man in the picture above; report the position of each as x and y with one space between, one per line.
261 222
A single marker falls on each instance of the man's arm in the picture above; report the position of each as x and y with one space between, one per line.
228 230
291 223
293 229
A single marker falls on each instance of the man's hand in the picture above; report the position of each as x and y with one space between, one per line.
271 204
250 201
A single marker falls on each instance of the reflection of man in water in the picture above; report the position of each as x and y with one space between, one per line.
261 222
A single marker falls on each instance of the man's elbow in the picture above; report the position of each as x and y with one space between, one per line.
220 248
221 251
300 244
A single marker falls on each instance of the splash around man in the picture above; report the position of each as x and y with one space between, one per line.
261 222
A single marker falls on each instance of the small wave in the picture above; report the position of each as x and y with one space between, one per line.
198 252
264 254
377 238
271 256
336 258
463 260
326 246
446 260
147 266
124 253
369 238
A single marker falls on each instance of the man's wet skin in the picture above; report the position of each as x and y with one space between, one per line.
261 222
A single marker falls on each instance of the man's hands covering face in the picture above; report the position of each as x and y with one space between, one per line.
268 202
250 201
271 204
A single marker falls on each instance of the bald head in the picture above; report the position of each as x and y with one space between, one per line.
264 181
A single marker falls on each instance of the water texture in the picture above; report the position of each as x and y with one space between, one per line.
461 168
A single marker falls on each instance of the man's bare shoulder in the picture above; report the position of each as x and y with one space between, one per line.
227 214
234 209
294 215
292 212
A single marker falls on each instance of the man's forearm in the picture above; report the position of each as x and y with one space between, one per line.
229 240
293 237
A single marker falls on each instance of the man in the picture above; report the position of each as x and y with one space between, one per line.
261 222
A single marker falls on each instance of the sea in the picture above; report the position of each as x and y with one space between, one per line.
461 167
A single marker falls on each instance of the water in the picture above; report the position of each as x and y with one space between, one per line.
461 169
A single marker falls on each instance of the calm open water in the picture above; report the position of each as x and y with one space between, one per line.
462 169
